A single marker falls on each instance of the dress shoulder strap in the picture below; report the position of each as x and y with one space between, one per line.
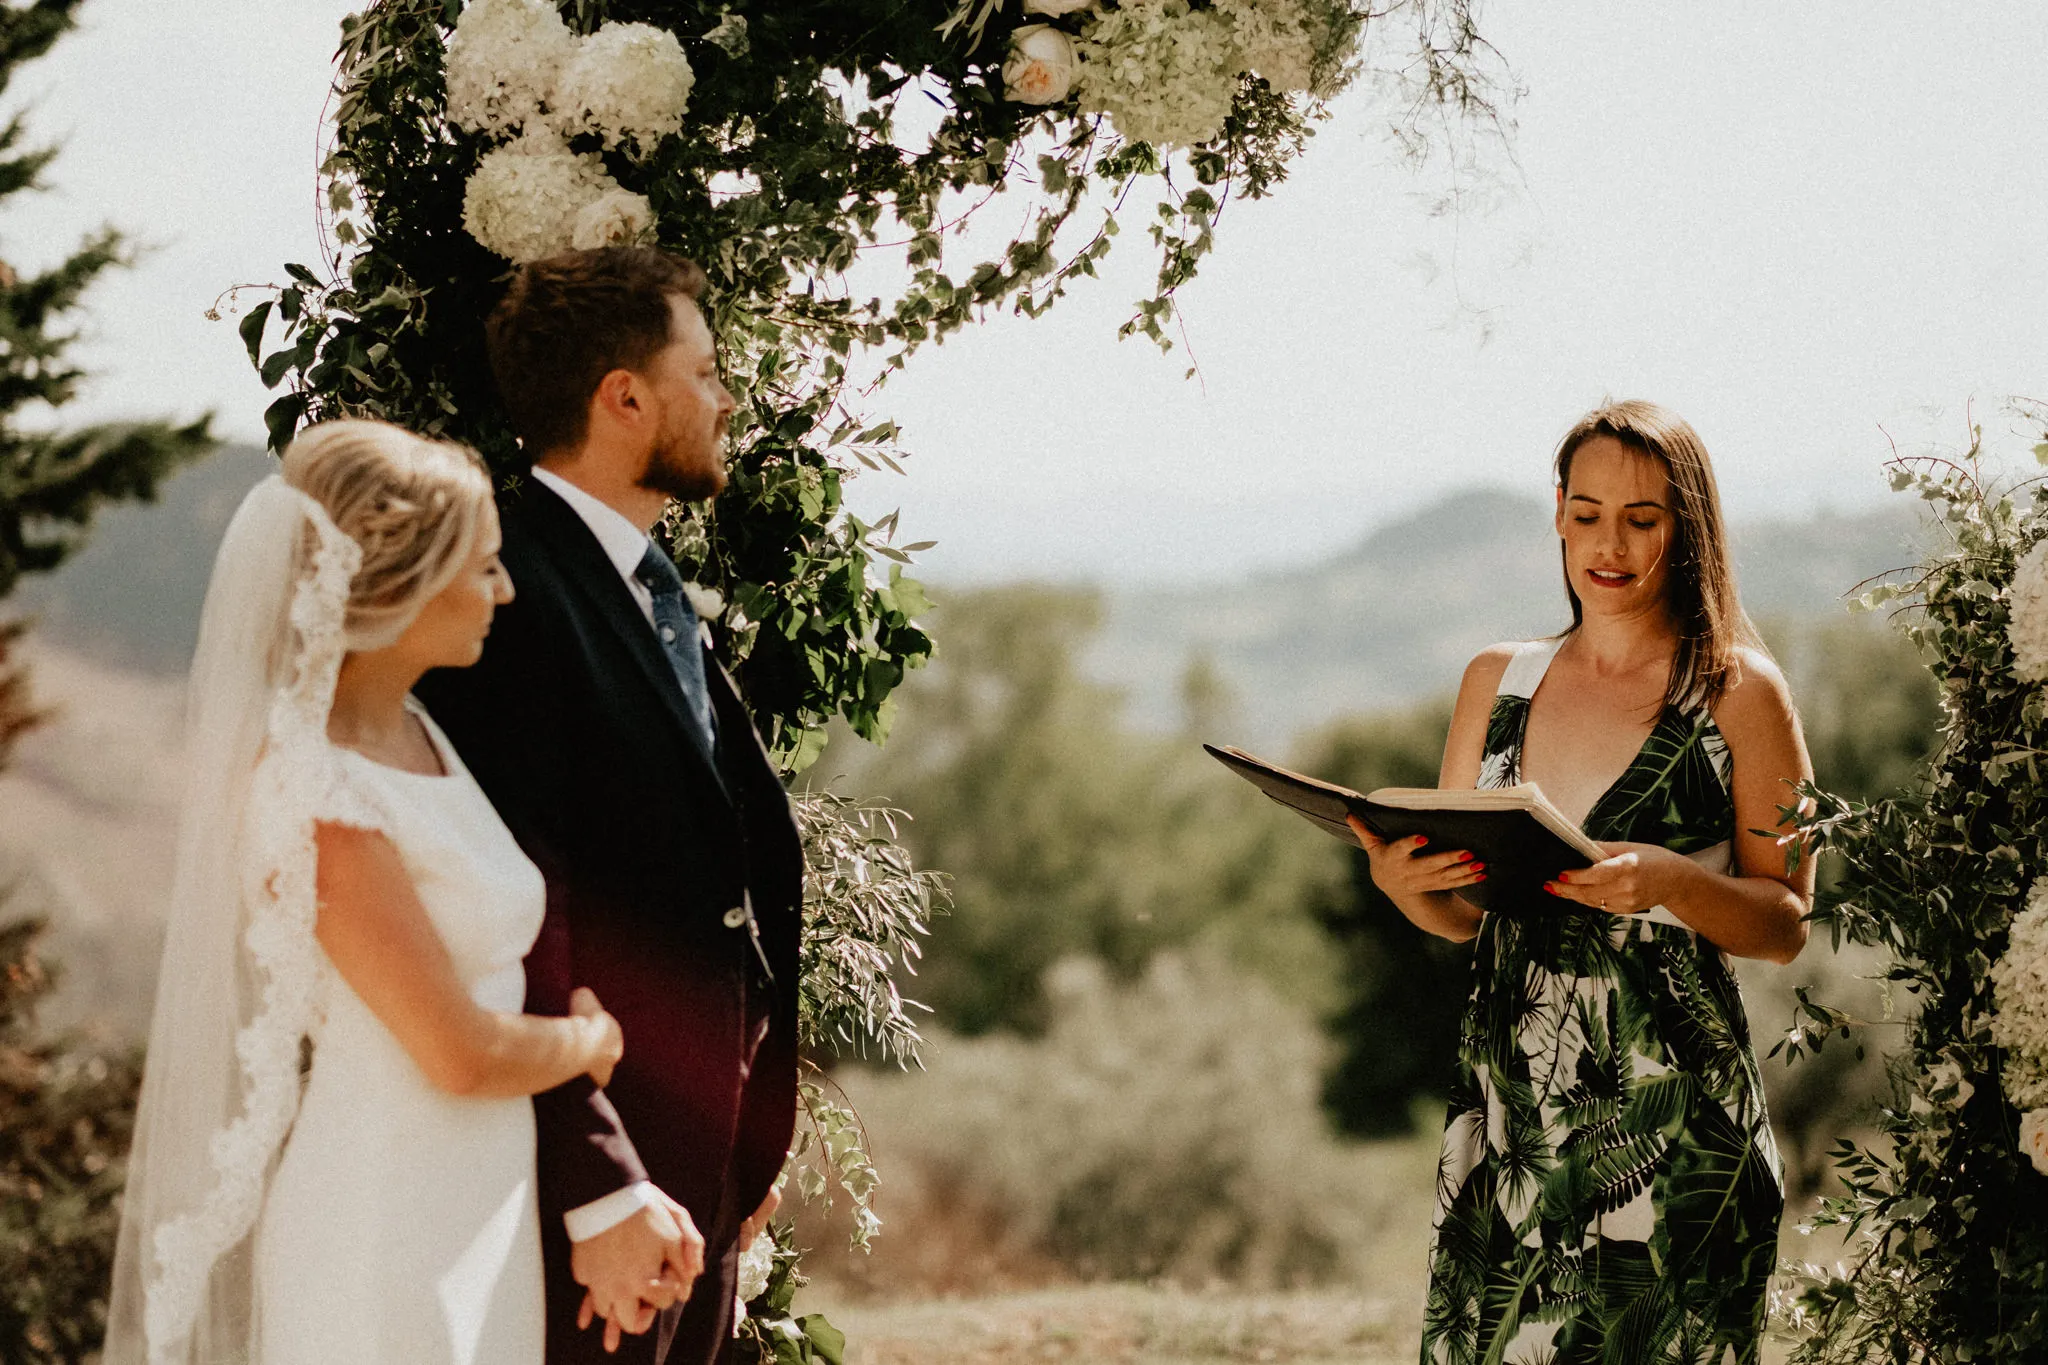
1525 671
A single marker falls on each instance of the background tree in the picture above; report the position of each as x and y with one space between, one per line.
50 481
65 1105
1403 990
1068 834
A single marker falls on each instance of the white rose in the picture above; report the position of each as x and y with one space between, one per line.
756 1263
2034 1138
617 217
1042 65
1056 8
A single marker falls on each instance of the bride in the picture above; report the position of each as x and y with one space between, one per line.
333 1160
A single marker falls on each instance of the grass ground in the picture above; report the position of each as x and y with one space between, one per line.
1138 1324
1132 1325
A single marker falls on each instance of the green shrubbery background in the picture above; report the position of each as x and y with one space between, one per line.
1170 1015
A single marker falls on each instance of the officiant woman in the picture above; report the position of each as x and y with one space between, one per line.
1609 1187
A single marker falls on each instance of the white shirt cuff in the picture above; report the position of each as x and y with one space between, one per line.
602 1215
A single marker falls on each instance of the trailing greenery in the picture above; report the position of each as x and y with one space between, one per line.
1947 1220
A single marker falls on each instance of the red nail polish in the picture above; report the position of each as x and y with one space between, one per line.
1464 857
1421 839
1479 867
1480 878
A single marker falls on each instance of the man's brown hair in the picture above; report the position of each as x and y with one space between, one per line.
568 321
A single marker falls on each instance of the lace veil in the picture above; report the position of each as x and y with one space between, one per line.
241 974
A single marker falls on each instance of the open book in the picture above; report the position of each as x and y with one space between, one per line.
1523 839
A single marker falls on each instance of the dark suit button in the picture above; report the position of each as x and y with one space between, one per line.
736 917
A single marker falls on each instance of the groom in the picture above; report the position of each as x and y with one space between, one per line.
616 749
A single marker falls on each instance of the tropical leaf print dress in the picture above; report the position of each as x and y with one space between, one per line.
1609 1188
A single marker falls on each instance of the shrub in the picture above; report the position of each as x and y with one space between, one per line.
1170 1127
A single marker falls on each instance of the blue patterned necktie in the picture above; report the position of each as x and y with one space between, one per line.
675 621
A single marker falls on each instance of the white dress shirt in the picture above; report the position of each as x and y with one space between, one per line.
624 545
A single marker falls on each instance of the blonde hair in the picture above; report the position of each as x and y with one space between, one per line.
414 505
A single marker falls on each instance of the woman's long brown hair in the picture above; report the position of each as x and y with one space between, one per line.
1700 582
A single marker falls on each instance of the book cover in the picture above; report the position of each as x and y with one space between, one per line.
1523 839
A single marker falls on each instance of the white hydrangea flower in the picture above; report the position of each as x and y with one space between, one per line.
2028 627
628 83
1163 73
2019 1023
1274 40
615 218
503 61
1041 65
526 198
756 1263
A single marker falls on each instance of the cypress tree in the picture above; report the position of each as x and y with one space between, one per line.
51 482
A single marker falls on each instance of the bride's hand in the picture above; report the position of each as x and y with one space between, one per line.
610 1043
1401 871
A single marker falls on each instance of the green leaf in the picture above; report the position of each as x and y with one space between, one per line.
826 1340
281 419
275 366
251 329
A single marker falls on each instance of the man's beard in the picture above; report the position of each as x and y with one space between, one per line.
670 473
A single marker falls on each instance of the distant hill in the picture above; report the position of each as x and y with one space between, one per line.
1390 622
1395 620
131 597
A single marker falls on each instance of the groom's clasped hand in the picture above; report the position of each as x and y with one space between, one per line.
647 1263
638 1267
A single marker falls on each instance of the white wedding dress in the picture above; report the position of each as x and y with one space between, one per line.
401 1227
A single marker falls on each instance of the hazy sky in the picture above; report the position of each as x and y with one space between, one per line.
1803 227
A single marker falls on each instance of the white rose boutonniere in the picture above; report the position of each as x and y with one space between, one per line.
709 606
1042 65
2034 1138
